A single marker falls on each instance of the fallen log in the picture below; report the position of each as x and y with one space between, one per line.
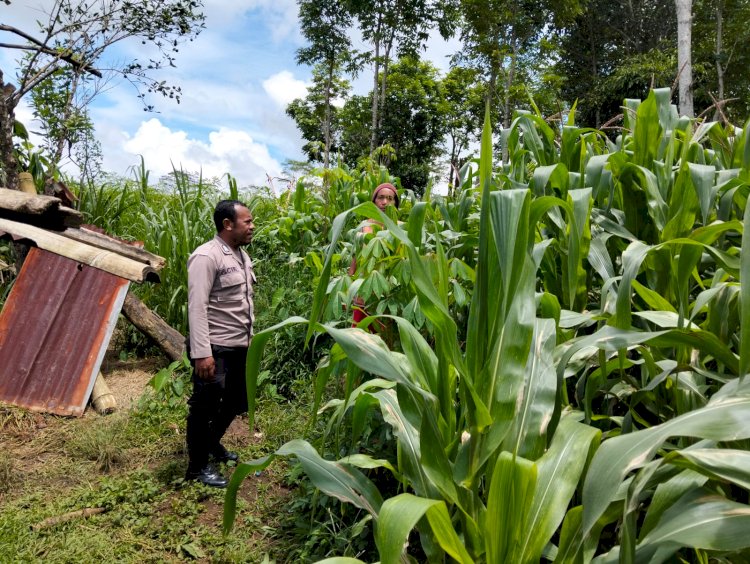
154 327
65 517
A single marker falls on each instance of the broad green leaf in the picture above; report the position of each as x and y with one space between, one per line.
558 473
416 223
653 299
722 419
253 363
745 281
483 309
528 436
400 514
666 495
700 519
578 239
717 463
408 441
632 259
508 503
367 462
335 479
647 131
704 181
555 176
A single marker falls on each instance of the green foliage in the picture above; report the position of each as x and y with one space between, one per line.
171 384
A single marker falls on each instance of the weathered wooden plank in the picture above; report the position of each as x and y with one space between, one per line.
107 243
37 209
32 204
98 258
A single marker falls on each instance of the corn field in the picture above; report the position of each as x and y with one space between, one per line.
559 351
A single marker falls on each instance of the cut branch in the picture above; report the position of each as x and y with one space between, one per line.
65 517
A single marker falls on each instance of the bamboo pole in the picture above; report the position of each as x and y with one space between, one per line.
26 183
101 397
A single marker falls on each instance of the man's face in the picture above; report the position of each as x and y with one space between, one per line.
242 228
386 197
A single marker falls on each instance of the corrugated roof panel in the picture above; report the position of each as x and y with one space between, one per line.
54 330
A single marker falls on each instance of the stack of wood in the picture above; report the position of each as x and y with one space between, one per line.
58 229
48 224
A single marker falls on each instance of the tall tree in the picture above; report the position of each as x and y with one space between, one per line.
463 115
413 128
684 9
497 33
720 59
325 24
399 27
317 116
76 36
615 49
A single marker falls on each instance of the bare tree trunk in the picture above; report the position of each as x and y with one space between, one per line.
719 49
375 96
684 59
510 76
594 62
8 162
327 124
384 82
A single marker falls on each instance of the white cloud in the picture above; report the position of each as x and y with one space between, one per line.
227 150
282 87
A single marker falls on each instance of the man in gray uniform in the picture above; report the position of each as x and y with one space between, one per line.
220 318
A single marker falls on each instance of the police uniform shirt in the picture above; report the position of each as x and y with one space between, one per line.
220 297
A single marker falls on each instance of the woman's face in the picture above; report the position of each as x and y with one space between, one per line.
386 197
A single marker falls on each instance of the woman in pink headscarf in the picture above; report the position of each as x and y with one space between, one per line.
383 196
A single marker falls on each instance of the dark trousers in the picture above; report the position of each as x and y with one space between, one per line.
214 404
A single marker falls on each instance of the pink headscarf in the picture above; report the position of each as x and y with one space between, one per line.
389 186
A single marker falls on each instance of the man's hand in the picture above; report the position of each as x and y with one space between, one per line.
205 368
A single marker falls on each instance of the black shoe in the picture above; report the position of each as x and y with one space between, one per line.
221 454
207 475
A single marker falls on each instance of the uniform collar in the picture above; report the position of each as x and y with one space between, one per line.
226 249
239 256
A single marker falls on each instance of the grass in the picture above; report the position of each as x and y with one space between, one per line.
132 464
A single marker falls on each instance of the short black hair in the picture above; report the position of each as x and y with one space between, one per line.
226 209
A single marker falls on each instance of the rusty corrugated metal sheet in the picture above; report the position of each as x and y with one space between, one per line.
54 330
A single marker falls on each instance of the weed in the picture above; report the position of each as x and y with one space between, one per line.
7 474
104 443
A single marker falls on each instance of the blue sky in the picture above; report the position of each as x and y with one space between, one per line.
237 78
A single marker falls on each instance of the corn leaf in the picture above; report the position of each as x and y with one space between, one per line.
558 473
508 504
722 419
